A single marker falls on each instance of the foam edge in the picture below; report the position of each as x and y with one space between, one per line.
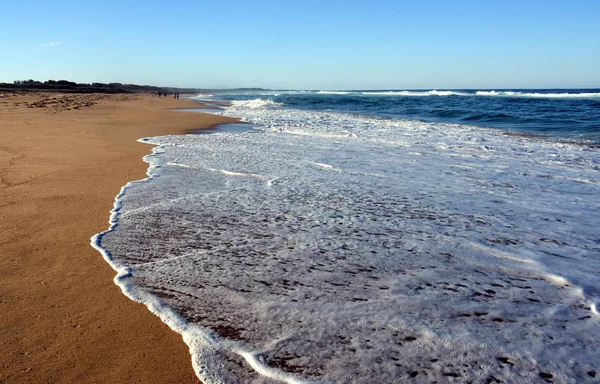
204 345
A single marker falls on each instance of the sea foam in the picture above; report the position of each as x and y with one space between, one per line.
538 94
255 103
417 93
328 247
584 95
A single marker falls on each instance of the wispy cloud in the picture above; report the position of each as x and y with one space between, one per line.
50 44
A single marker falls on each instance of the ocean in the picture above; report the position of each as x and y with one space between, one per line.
374 236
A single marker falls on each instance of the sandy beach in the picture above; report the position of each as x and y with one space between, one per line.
63 159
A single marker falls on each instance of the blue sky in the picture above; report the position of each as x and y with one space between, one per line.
305 44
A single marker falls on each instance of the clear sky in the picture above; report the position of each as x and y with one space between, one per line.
304 44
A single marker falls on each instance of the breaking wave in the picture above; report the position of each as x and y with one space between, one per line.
538 94
255 103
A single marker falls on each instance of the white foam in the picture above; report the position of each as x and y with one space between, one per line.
204 345
333 92
202 96
354 249
328 166
255 103
485 93
539 95
417 93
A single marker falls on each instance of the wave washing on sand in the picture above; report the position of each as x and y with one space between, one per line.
328 247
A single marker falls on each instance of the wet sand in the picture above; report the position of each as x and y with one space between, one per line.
63 159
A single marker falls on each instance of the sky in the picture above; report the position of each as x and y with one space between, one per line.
306 44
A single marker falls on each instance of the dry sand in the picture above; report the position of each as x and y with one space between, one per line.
63 159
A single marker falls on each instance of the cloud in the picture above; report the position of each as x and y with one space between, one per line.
50 44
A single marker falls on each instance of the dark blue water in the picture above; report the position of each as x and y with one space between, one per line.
572 114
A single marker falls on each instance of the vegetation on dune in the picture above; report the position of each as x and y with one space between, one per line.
72 87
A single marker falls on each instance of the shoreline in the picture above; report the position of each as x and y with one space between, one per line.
63 159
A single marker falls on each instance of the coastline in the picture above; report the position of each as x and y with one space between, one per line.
63 159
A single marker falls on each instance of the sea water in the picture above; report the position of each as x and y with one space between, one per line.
348 245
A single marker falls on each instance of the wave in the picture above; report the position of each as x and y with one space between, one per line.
539 95
418 93
255 103
236 278
484 93
333 92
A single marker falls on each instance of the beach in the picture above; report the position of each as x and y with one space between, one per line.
63 159
335 240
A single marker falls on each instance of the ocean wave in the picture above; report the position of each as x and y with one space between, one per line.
255 103
539 95
333 92
334 232
484 93
417 93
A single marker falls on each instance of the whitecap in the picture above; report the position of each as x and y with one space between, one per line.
255 103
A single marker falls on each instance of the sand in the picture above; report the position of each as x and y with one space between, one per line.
63 159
